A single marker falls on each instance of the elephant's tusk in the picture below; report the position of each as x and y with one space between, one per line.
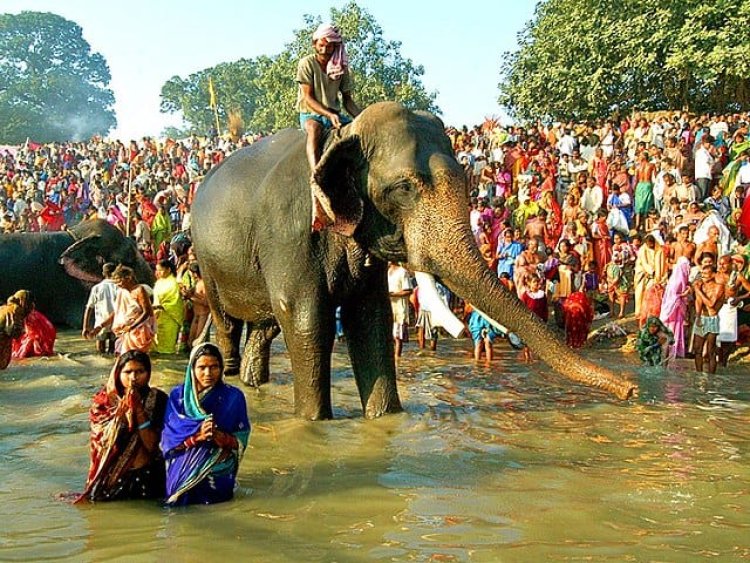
440 313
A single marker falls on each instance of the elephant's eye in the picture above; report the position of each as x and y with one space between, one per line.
401 186
402 194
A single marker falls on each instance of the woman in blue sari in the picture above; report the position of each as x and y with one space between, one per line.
206 430
508 250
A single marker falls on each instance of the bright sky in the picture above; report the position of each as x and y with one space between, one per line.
146 42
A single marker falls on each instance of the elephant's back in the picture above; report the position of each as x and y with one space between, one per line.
247 208
234 191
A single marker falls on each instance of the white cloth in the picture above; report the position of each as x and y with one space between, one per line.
592 199
727 323
714 220
743 176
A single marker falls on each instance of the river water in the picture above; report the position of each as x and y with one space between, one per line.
487 463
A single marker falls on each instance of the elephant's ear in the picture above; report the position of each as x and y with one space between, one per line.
338 174
82 259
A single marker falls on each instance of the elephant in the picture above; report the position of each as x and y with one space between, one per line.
59 268
398 194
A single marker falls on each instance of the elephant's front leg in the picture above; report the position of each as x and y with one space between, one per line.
368 323
309 326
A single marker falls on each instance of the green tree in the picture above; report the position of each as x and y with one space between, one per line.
267 92
583 58
235 87
52 87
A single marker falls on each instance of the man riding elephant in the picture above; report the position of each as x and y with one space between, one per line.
321 77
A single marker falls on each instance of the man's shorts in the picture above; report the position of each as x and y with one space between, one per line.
322 119
705 325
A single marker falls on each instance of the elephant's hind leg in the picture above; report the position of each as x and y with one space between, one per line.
254 370
228 329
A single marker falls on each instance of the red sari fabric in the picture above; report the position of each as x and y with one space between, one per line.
743 224
602 246
579 314
651 306
38 338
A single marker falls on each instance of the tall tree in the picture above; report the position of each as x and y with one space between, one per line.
52 87
267 92
582 58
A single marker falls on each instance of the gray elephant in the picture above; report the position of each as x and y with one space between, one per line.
392 177
60 268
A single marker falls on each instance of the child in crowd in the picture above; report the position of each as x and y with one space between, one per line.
482 333
535 299
618 285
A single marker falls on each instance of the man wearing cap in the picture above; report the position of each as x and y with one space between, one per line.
321 77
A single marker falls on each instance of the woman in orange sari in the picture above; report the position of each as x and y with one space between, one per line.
602 243
133 319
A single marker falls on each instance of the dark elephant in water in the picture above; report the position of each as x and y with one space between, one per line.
60 268
391 175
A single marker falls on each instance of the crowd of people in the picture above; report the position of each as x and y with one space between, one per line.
600 211
650 208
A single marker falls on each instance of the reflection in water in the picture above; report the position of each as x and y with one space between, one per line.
500 462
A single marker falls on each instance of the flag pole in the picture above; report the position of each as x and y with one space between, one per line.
130 183
212 102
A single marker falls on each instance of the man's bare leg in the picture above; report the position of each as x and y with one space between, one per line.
711 350
698 351
322 215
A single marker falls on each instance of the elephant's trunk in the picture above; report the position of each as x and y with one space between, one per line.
451 253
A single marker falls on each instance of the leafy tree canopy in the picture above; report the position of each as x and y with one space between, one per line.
52 87
264 89
584 58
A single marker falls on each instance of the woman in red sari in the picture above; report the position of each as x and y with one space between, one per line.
554 218
602 243
38 337
12 316
600 170
127 416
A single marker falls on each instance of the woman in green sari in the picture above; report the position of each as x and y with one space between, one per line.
653 342
161 227
169 308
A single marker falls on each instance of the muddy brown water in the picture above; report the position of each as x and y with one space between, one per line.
487 463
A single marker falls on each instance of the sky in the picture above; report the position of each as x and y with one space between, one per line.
147 42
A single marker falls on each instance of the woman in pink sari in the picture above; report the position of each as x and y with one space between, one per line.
674 305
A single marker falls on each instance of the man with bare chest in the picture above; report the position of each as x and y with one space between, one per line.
644 189
711 244
681 247
709 298
536 228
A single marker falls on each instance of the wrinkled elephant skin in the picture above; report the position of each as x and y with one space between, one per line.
391 175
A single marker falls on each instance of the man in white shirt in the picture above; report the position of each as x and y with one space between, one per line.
704 162
399 288
101 304
567 143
